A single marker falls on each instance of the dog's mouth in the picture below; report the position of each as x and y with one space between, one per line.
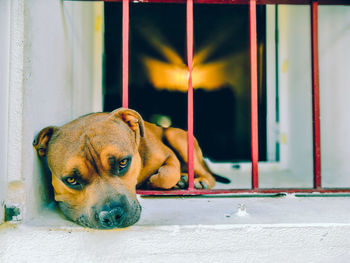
112 215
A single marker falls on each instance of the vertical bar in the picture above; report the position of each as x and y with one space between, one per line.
315 96
190 138
277 98
277 65
254 93
125 93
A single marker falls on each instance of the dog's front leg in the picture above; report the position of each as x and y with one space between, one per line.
167 175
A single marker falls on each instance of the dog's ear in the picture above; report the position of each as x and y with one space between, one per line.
131 118
41 141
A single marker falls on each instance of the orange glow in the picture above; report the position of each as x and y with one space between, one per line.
172 73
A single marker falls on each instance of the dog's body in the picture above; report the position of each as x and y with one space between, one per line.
98 160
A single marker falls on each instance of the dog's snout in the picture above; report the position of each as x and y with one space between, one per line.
111 216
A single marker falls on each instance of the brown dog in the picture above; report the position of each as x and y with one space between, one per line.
98 160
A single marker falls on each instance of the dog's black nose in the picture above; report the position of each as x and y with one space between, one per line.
111 216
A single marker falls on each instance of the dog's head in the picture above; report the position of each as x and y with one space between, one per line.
94 161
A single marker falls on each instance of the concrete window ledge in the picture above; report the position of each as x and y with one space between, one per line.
287 229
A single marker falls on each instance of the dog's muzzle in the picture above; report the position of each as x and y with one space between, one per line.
111 216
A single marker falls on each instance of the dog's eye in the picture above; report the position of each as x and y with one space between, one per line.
119 167
72 182
123 163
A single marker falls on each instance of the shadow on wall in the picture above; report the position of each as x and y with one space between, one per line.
44 180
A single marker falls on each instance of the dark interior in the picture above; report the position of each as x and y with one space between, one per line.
221 112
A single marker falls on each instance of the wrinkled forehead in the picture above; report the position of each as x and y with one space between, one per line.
89 139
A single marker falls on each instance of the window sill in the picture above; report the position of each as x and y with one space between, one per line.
195 230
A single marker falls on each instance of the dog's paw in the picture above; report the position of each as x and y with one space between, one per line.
182 183
201 183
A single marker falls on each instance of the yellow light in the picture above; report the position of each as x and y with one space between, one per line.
172 73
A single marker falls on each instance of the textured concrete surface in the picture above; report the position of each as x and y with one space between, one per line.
288 229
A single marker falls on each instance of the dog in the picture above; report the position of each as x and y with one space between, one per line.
99 160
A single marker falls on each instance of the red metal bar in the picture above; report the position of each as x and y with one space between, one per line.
315 96
245 2
242 191
125 102
254 93
190 139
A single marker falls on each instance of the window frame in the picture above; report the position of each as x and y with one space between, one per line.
317 187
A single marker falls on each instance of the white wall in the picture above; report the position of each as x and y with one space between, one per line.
58 75
334 56
4 82
296 88
296 92
294 129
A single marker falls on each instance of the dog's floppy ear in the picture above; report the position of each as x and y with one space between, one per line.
41 141
131 118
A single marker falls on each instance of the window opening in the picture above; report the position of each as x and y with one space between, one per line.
254 97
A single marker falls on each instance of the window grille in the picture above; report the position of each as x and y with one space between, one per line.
317 186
